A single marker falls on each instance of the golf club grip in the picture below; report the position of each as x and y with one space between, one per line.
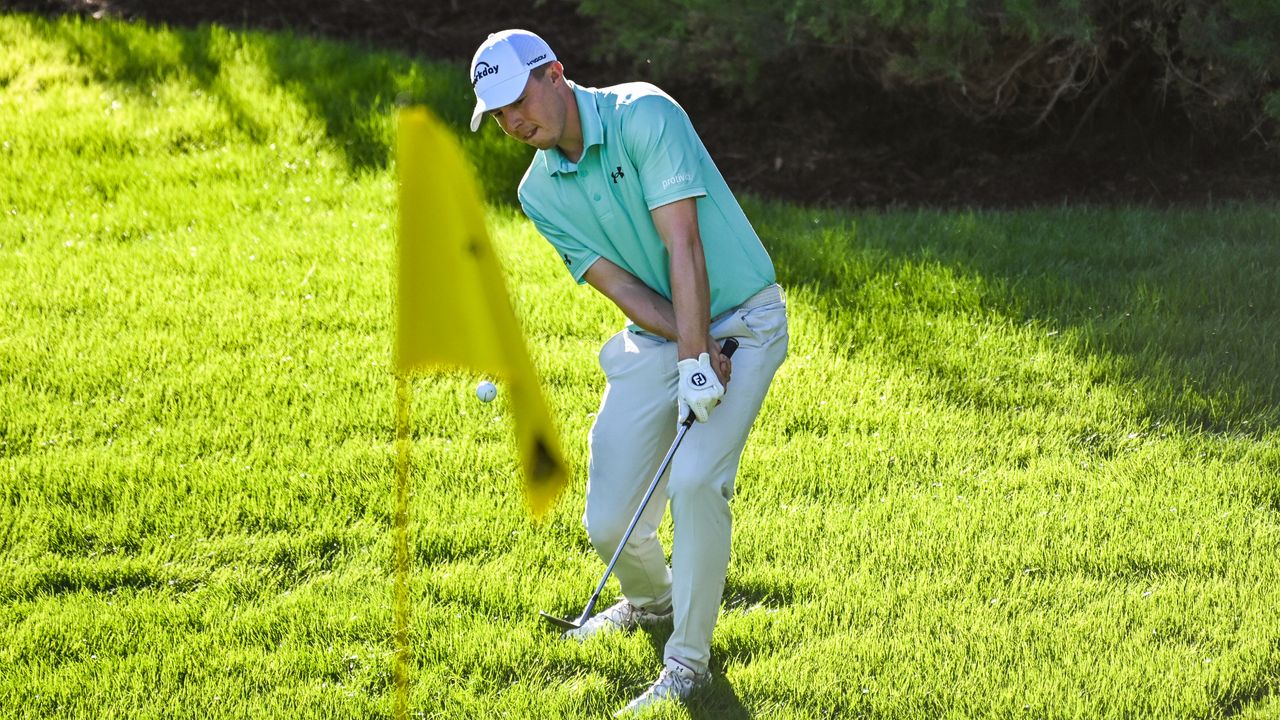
729 347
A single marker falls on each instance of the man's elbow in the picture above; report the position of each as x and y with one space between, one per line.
685 245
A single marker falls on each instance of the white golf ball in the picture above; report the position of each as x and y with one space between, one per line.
486 391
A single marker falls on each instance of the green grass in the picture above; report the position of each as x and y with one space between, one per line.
1018 464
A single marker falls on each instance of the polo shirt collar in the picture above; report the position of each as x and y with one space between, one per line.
592 131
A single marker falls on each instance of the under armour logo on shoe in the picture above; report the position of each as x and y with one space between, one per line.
617 175
698 379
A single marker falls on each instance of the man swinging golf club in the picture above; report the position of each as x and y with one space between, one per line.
623 188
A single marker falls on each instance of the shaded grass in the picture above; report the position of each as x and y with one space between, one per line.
1017 465
1178 299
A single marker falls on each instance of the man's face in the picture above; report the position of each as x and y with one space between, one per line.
537 117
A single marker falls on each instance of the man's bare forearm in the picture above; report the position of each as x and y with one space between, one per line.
690 296
677 225
648 309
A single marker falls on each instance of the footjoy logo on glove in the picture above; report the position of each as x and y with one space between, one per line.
698 379
483 70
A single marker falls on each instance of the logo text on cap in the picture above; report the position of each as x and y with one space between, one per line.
536 60
483 69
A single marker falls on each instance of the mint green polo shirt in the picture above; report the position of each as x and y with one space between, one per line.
640 152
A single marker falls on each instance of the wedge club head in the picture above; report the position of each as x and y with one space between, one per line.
563 623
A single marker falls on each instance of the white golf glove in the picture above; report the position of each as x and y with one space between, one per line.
700 389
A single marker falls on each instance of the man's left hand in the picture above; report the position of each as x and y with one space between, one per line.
700 389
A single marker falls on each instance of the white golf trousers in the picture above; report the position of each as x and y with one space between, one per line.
635 426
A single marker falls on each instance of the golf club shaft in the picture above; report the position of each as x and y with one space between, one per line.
634 520
730 345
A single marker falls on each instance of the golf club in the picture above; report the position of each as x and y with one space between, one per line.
730 345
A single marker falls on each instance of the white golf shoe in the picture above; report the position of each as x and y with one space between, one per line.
676 683
622 616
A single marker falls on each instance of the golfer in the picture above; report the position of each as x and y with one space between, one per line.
624 190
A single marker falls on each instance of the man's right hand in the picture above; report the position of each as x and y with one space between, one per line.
720 362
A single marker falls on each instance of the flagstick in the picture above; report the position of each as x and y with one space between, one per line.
401 670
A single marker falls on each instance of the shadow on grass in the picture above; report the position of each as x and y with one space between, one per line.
1176 307
350 93
718 700
1182 303
354 92
121 54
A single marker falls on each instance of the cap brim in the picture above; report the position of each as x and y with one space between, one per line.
498 95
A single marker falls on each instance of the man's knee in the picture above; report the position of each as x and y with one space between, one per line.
694 485
605 525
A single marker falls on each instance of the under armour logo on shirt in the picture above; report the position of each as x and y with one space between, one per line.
617 175
698 379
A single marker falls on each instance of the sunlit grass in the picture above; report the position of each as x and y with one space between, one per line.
1017 464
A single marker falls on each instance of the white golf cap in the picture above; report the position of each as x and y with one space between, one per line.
501 68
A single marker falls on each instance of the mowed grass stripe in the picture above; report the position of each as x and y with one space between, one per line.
1018 464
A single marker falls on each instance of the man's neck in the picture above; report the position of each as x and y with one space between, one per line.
571 140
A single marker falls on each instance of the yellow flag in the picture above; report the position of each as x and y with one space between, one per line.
453 307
